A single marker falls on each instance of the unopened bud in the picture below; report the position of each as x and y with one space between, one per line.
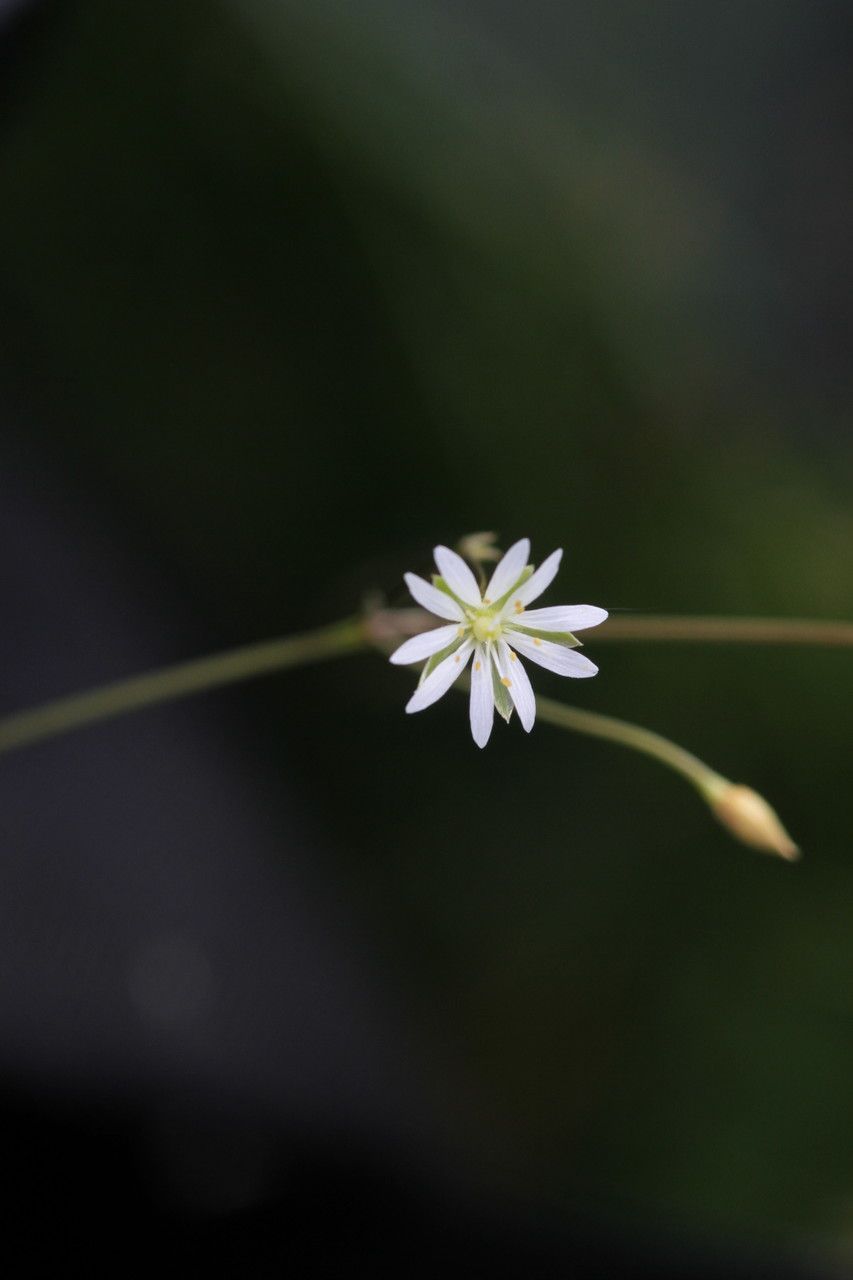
750 818
478 547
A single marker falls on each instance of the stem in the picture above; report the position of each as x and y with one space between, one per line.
596 725
725 630
745 814
170 683
625 734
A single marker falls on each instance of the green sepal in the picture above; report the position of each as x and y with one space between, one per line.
441 585
503 702
525 574
436 658
565 638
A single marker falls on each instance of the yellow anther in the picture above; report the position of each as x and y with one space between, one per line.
536 640
518 606
461 631
477 666
513 657
505 681
486 600
456 659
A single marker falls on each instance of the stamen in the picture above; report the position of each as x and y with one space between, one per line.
536 640
513 657
461 631
486 600
505 681
518 606
457 658
477 666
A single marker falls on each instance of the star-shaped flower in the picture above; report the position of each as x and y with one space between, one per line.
493 629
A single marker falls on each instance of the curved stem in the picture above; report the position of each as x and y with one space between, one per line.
673 627
625 734
596 725
746 815
170 683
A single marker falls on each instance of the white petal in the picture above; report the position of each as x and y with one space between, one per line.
556 657
421 647
536 583
570 617
430 598
457 575
509 570
518 684
440 680
482 705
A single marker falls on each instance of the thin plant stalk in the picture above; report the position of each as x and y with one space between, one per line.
648 743
745 813
171 683
672 627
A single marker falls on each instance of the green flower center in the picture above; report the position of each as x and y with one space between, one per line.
485 626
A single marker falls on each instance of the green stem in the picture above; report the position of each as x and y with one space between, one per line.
745 814
352 635
725 630
625 734
170 683
595 725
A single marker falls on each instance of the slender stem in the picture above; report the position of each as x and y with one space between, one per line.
170 683
596 725
746 814
630 735
743 812
725 630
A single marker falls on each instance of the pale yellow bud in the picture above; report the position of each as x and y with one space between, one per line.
478 547
750 818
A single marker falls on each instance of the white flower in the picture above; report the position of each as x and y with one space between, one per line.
493 629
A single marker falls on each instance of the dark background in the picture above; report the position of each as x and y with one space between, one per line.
289 292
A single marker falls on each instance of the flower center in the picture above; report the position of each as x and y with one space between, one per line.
485 626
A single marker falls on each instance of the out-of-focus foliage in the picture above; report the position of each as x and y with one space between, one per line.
301 289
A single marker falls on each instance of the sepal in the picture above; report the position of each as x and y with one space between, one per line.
565 638
432 663
441 585
503 701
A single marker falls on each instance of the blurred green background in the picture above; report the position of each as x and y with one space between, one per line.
297 290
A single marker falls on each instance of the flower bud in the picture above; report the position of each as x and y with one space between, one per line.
750 818
479 547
